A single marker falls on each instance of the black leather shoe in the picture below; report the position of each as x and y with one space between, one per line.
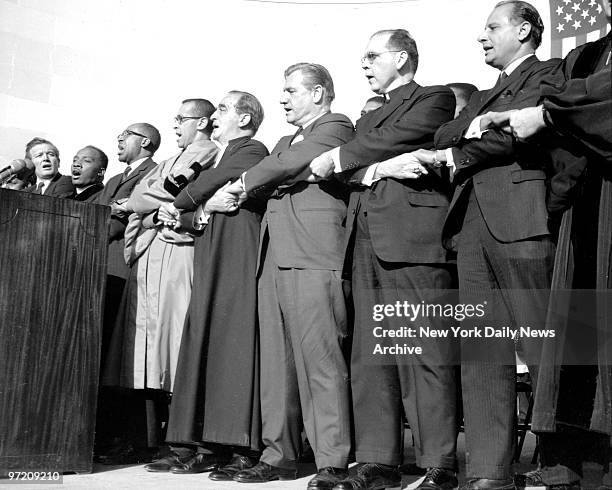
164 464
372 476
411 469
227 472
535 479
326 478
439 479
486 484
263 472
200 463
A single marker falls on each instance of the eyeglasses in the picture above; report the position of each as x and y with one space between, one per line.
129 132
179 119
370 56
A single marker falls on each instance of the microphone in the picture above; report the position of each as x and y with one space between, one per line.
13 168
174 184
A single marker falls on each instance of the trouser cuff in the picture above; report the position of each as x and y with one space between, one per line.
278 462
380 457
491 472
446 462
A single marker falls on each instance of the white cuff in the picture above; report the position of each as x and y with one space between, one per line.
200 218
335 155
474 131
369 177
450 161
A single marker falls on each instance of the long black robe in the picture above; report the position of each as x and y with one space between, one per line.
581 113
216 390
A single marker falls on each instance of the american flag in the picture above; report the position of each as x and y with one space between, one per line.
574 22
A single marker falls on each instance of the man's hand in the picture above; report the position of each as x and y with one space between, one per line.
497 120
224 201
119 208
323 165
404 166
169 216
236 190
527 122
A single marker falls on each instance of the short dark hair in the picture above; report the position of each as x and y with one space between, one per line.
204 108
315 74
38 141
101 154
249 104
151 133
524 11
401 40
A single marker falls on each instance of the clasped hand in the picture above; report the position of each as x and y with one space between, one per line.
406 165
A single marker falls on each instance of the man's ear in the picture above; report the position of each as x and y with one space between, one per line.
203 123
524 31
244 120
401 60
145 142
101 172
317 94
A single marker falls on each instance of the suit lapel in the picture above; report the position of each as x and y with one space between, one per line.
406 92
143 167
52 184
493 93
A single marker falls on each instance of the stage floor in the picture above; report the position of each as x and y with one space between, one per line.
134 477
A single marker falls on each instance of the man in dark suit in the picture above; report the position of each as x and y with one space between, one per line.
498 223
46 159
136 145
572 413
302 312
215 408
88 168
396 215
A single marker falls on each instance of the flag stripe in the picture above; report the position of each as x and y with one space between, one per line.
556 48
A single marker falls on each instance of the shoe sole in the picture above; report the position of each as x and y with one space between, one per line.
280 478
192 472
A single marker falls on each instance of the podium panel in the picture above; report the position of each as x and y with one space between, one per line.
52 279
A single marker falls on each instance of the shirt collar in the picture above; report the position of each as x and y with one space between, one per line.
513 65
304 126
136 163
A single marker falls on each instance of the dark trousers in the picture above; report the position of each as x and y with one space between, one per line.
515 278
302 322
387 387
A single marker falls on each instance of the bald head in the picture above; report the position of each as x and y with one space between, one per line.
138 140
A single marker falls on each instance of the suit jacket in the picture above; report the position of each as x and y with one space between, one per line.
60 186
115 190
90 194
240 155
305 223
404 217
508 177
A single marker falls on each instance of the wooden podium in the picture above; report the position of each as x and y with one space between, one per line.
52 279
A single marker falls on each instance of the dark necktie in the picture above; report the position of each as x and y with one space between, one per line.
39 188
297 133
126 172
502 77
